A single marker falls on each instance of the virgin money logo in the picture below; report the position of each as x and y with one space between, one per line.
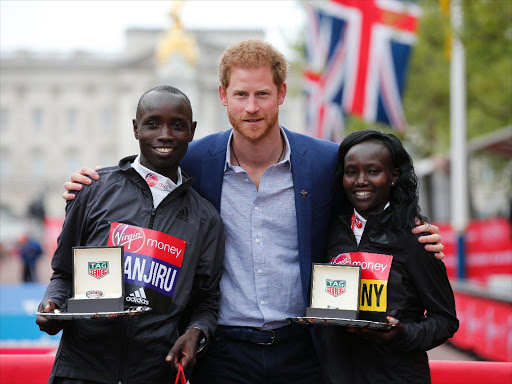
151 179
343 259
132 238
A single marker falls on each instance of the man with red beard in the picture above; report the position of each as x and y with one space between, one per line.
274 189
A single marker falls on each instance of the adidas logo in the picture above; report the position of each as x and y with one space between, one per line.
138 297
183 214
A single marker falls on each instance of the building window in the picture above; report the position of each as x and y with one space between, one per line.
37 119
4 119
72 119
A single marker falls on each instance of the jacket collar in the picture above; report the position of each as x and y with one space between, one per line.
125 166
375 220
219 144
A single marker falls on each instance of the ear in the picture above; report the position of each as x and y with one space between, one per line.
193 130
396 173
281 93
223 97
135 129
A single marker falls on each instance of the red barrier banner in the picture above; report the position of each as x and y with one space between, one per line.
488 249
35 369
485 327
470 372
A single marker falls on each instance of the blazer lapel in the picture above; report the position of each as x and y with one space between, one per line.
301 172
212 169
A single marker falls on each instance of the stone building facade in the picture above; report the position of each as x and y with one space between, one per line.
60 112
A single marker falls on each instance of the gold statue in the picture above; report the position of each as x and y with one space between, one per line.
176 40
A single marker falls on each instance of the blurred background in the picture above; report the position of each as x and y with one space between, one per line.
436 73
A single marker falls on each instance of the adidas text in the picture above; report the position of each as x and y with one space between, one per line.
137 300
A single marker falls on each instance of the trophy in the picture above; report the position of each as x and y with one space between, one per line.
98 284
349 292
335 291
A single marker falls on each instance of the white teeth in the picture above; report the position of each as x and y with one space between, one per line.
363 194
163 149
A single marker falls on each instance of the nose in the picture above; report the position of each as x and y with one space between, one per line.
166 133
361 178
252 105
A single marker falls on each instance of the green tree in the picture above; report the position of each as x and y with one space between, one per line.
487 38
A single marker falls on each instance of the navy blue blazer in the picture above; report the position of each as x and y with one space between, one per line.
313 167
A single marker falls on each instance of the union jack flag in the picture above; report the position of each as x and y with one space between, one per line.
357 56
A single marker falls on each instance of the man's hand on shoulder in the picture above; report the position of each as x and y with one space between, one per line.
51 327
77 179
433 241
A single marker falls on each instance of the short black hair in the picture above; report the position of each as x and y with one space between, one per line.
404 194
168 89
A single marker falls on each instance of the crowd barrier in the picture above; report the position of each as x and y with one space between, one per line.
485 323
35 369
25 369
470 372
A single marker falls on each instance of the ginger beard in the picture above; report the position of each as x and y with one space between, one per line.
253 132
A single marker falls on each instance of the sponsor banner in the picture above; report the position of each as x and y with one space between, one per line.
18 331
488 249
151 260
373 265
147 242
485 327
141 270
374 281
374 294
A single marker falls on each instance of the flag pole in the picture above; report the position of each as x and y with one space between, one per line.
458 151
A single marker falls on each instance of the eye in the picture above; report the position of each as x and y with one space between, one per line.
374 171
151 123
263 93
178 125
240 94
349 172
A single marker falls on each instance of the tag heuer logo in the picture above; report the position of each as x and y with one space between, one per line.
98 269
335 287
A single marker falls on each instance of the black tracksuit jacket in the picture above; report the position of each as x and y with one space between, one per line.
419 295
133 349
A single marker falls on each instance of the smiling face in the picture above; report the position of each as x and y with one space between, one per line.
164 127
252 100
367 176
